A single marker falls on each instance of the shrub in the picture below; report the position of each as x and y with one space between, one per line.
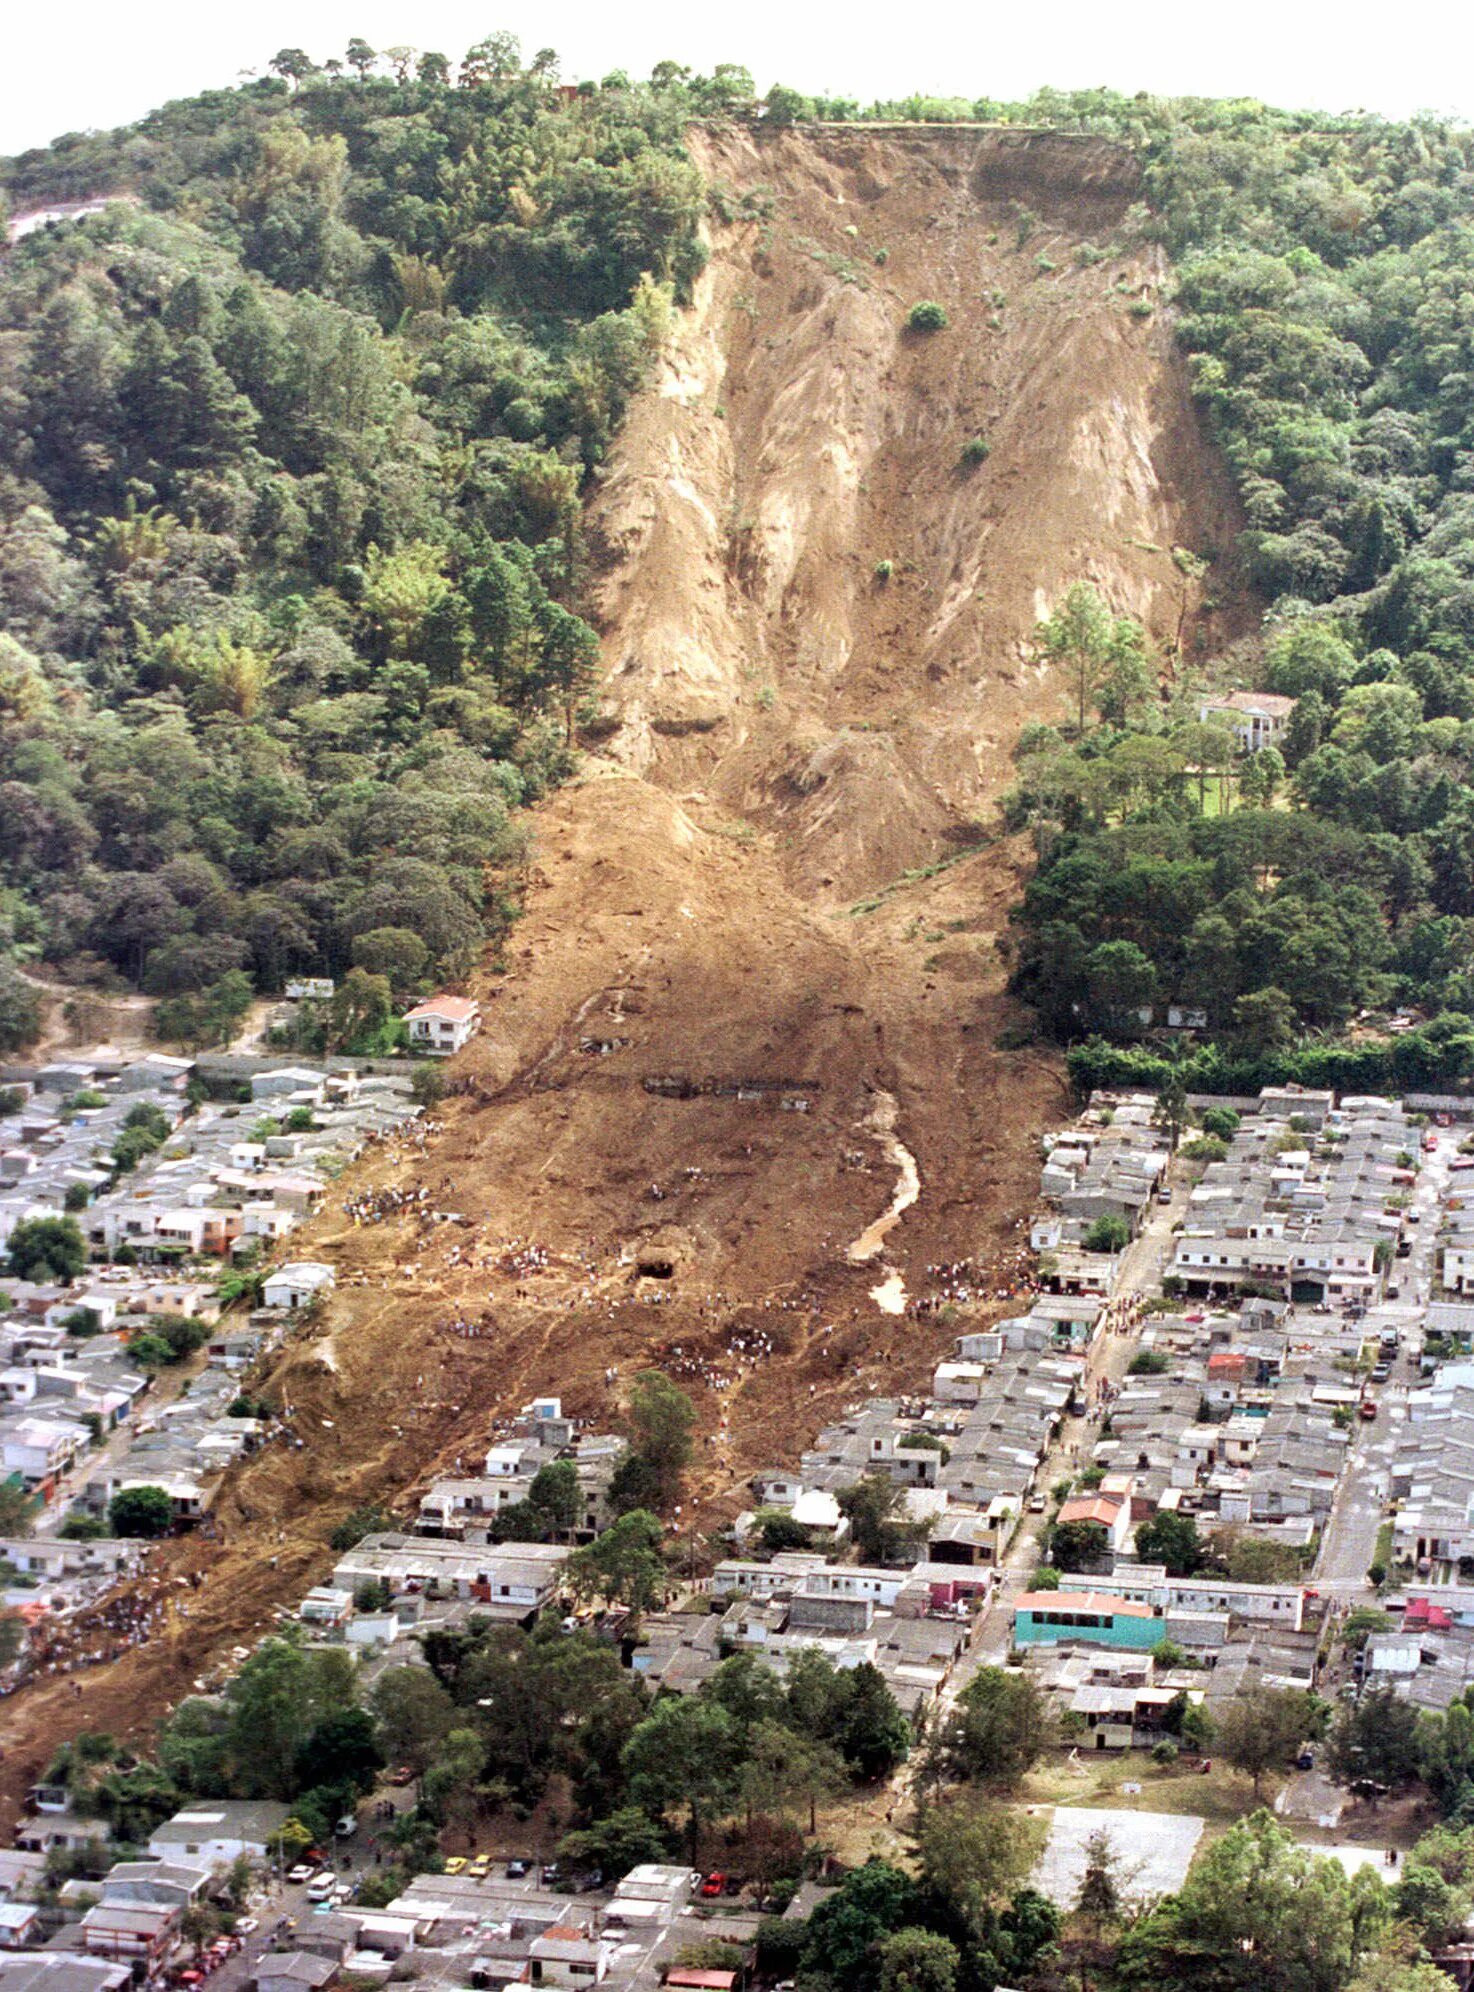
1108 1234
1164 1753
927 316
141 1511
884 569
975 450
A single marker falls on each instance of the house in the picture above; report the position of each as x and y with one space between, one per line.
290 1083
1256 719
566 1955
134 1930
19 1924
443 1025
62 1971
218 1832
1110 1512
297 1284
294 1971
1045 1618
40 1448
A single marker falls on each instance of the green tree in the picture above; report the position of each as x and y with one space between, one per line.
1087 641
1171 1538
141 1511
395 954
1261 1729
917 1960
20 1009
1076 1546
880 1527
1107 1234
614 1844
1264 1020
1099 1899
624 1564
361 1006
998 1731
1374 1739
846 1931
661 1417
414 1713
683 1758
781 1769
49 1250
1257 1914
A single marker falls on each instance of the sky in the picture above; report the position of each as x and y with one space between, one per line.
103 62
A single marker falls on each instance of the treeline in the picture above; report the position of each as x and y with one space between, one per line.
291 453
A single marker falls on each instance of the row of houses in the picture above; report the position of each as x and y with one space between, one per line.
1308 1203
228 1179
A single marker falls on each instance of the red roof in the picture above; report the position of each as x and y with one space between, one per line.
1420 1611
1225 1359
452 1009
701 1981
1101 1508
1099 1602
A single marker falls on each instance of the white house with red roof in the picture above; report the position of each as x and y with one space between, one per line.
443 1024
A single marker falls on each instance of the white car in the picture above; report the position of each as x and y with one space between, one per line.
303 1871
321 1890
245 1924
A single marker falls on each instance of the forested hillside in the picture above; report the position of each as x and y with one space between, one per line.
1323 277
293 449
291 452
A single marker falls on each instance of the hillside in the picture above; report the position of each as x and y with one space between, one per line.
757 981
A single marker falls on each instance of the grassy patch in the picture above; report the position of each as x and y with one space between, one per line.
918 876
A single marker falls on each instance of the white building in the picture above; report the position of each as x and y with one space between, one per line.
442 1025
297 1284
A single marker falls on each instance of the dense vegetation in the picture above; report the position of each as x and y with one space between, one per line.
291 452
1322 273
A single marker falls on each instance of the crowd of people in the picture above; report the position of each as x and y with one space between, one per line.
966 1283
376 1206
136 1611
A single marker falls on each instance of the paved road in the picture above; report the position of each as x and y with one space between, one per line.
1142 1265
1349 1540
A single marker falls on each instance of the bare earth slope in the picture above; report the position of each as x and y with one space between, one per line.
732 1037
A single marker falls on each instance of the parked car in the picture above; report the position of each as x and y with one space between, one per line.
1367 1409
551 1874
321 1889
1164 1196
479 1867
715 1884
303 1871
517 1868
245 1924
1306 1759
347 1826
402 1775
456 1864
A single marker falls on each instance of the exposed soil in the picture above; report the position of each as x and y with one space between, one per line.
724 978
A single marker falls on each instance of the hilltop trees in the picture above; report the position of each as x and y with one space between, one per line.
310 632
